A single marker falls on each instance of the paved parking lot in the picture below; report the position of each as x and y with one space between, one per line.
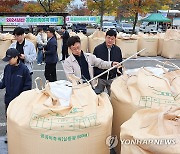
39 72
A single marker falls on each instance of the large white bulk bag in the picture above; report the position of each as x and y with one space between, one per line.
59 119
160 43
171 45
128 45
31 38
150 42
95 39
84 41
72 34
171 48
152 131
145 88
5 42
59 44
174 80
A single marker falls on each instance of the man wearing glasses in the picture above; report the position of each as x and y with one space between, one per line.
80 64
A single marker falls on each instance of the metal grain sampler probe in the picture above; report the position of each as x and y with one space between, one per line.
116 65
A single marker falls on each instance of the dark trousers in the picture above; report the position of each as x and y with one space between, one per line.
64 52
50 72
102 84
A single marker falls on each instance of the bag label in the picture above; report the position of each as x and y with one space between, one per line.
59 123
64 138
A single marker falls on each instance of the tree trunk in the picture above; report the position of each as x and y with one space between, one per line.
135 22
101 13
136 17
44 7
49 5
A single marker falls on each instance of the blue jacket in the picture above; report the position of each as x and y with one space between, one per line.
51 55
16 79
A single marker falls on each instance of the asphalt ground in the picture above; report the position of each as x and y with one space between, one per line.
39 72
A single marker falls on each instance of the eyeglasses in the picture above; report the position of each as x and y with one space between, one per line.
76 47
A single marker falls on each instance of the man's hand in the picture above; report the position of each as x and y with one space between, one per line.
116 63
22 56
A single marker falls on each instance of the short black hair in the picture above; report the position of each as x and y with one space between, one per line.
52 30
39 29
63 27
18 31
72 40
111 33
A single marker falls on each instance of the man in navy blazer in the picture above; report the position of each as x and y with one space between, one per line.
51 56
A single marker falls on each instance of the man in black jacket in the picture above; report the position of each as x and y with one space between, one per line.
107 51
64 36
51 56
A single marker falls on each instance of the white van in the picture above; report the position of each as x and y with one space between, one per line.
108 25
149 27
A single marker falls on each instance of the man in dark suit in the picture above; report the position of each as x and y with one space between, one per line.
64 36
107 51
51 56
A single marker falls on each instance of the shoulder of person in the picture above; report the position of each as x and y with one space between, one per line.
53 39
7 66
87 54
23 67
115 47
100 46
7 69
68 61
27 42
13 45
